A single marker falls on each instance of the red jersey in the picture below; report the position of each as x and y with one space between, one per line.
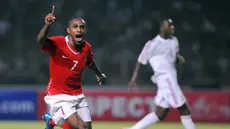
66 66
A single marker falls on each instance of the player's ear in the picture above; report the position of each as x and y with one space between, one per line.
67 30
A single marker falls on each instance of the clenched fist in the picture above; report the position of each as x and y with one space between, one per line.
50 18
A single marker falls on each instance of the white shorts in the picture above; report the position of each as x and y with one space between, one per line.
169 93
62 106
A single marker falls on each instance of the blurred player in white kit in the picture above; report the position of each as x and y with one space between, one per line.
162 53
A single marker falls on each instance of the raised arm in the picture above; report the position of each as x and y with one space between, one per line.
49 20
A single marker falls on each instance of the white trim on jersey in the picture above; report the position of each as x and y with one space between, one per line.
49 84
145 53
67 43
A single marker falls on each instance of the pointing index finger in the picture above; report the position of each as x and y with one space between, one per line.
53 8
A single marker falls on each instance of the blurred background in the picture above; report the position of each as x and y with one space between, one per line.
117 30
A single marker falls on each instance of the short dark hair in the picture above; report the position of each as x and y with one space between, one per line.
76 18
162 21
166 20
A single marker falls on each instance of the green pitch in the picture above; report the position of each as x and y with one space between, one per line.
109 125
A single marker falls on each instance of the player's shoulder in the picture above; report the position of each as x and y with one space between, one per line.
175 38
87 44
57 39
152 42
156 39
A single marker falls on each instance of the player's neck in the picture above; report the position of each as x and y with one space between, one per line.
164 36
77 46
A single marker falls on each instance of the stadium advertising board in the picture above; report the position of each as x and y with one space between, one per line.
132 106
42 106
18 105
207 107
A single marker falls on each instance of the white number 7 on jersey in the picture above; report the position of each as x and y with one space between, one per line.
74 61
75 64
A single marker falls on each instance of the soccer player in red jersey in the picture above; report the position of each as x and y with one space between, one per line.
69 55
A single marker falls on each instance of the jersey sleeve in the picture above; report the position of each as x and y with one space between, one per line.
90 58
146 53
51 44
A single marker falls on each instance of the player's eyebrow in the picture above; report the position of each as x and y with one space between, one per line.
80 25
83 26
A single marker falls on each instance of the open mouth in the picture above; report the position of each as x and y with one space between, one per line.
79 37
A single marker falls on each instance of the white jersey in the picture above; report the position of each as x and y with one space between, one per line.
161 55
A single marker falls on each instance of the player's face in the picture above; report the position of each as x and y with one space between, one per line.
171 30
168 28
77 30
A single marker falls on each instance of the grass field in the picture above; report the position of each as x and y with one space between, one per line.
110 125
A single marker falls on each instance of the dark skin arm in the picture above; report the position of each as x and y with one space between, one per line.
100 76
180 59
42 36
132 82
94 67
